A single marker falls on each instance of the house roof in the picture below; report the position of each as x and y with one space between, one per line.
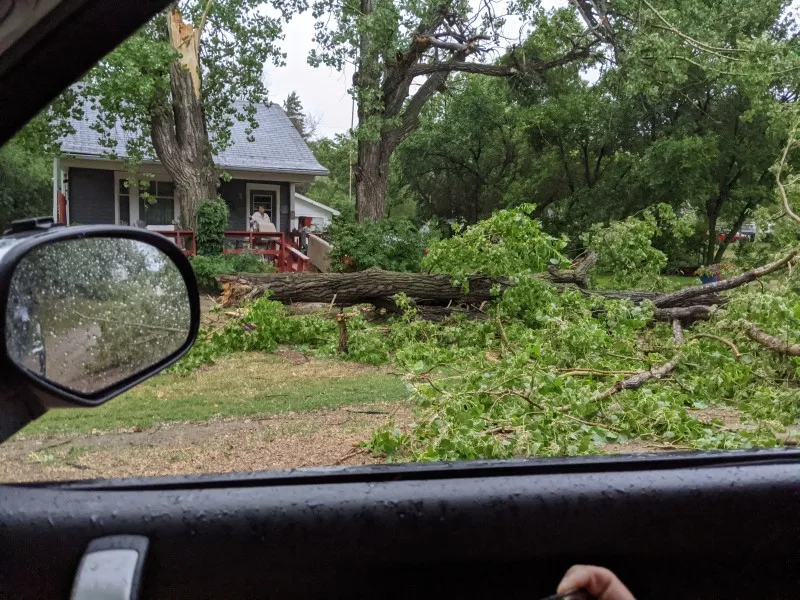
319 205
277 147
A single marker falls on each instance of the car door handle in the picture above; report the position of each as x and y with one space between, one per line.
111 569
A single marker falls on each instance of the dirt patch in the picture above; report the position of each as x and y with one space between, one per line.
729 417
288 440
293 357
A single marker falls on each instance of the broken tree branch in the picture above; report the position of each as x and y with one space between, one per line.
779 172
680 297
683 313
677 331
638 380
341 321
771 342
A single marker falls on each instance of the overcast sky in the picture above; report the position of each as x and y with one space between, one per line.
323 90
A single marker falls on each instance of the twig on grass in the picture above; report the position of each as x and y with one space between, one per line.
350 454
721 340
591 372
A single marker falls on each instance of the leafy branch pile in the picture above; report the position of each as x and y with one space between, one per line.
553 370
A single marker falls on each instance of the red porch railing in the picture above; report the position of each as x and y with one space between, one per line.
272 245
298 262
184 239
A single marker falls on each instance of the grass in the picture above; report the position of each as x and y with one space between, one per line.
238 386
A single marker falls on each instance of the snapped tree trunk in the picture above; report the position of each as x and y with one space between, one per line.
178 125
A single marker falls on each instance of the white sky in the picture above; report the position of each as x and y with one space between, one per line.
323 90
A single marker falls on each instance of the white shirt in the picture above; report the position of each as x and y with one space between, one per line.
262 221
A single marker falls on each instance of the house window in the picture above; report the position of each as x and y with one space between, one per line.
124 203
159 208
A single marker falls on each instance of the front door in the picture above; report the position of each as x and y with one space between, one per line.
267 199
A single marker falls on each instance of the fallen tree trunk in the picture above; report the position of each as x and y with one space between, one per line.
378 287
361 287
364 287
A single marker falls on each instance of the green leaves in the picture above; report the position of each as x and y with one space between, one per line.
393 245
509 243
206 268
625 250
25 183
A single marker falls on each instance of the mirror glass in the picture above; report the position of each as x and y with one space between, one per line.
87 313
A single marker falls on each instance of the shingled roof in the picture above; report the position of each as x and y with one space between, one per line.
278 146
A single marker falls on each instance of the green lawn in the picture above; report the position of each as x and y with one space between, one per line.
241 385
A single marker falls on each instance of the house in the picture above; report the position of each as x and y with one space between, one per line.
311 213
263 172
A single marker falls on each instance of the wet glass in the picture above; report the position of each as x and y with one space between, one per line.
86 314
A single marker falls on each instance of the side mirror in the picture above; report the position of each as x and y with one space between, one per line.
88 312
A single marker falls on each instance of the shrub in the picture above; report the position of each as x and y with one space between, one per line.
206 268
510 242
626 251
212 221
394 245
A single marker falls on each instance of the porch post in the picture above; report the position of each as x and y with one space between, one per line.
56 172
292 215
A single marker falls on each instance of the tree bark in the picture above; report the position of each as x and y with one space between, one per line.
711 241
683 313
372 180
375 286
771 342
638 380
361 287
178 125
681 297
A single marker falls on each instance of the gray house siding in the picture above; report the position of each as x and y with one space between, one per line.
91 196
234 193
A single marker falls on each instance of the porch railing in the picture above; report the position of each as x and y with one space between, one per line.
184 239
273 246
298 262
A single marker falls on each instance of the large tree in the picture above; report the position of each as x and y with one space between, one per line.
293 107
709 85
404 53
176 87
461 161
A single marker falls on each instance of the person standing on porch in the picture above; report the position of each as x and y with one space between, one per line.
261 220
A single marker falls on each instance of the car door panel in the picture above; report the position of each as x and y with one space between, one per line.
508 530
